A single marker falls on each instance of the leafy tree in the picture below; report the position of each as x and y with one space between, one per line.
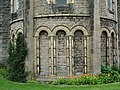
16 60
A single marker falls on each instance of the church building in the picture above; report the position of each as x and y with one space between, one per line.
67 37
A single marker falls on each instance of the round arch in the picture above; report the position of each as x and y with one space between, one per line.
64 28
113 31
12 33
74 29
42 29
18 31
106 30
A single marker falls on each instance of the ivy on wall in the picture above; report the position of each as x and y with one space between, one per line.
16 60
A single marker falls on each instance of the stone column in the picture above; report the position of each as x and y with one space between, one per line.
72 55
12 6
118 31
52 56
28 32
116 60
85 56
109 51
37 60
36 55
96 60
68 56
70 49
88 54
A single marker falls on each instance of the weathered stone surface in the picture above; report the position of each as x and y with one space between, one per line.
63 51
44 54
79 54
4 28
61 54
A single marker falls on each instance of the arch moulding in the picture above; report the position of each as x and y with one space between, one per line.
106 30
43 29
64 28
113 31
79 28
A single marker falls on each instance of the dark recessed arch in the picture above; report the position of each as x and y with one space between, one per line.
61 53
112 47
43 54
79 53
104 49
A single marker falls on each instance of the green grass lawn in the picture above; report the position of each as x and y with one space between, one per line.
8 85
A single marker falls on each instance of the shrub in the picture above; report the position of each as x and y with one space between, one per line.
61 81
3 72
89 79
16 60
107 76
83 80
110 74
116 69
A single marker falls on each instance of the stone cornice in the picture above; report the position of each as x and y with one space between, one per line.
62 15
16 20
108 19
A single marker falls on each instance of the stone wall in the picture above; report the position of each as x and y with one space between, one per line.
4 28
108 24
41 7
16 27
54 50
20 9
105 12
53 22
82 7
119 25
79 7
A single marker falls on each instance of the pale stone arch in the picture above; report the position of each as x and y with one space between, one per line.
106 30
12 32
105 46
113 43
64 28
80 38
113 31
39 43
20 30
79 28
43 28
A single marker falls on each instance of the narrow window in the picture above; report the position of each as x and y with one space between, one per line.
61 53
110 5
104 50
112 49
61 6
16 5
44 54
79 59
61 2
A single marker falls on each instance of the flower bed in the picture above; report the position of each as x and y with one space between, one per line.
107 76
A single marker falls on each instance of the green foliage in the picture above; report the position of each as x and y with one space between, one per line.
116 69
3 72
107 76
104 69
82 80
110 74
32 81
8 85
16 60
